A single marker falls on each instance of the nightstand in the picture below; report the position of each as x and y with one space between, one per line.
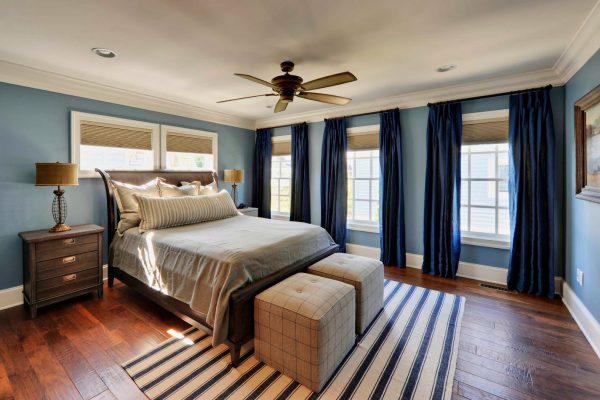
58 266
249 211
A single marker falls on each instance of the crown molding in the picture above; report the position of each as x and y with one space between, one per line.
581 48
422 97
39 79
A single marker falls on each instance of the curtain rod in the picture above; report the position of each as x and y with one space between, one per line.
490 95
430 104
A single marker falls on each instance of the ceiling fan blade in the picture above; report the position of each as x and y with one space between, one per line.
248 97
325 98
257 80
331 80
280 106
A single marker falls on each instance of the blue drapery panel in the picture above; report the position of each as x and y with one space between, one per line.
261 194
300 202
392 239
334 186
531 193
441 227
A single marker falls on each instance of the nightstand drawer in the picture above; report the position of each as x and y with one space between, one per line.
66 247
60 285
66 265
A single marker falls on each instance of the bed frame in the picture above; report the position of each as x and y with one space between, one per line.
241 302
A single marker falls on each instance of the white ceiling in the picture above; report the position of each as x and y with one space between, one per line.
187 51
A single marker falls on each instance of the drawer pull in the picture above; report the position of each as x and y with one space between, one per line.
68 260
69 241
68 278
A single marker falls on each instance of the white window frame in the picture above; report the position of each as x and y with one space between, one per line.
278 214
357 225
158 139
164 129
77 117
476 238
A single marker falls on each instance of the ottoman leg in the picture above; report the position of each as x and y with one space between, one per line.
234 351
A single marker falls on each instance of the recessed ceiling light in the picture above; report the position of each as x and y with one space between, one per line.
446 68
269 106
102 52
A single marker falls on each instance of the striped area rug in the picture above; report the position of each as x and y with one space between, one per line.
409 352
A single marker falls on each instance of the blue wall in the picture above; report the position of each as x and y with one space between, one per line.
582 227
35 127
414 131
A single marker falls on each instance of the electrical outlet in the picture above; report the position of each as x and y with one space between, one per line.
580 277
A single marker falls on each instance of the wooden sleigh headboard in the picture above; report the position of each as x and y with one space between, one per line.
140 177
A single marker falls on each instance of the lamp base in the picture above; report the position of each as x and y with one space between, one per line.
60 228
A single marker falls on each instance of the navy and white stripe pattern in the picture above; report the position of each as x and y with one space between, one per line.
408 352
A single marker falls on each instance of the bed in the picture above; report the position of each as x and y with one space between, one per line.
208 274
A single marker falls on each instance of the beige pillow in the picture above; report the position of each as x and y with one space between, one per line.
125 195
167 190
202 190
166 212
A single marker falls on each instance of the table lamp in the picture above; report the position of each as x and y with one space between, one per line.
57 174
234 176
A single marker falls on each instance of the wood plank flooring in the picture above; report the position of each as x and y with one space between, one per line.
511 346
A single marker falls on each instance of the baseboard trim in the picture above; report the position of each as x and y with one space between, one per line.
583 317
480 272
13 296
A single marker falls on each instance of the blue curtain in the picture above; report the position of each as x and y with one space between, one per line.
334 186
441 227
392 239
261 195
300 203
531 189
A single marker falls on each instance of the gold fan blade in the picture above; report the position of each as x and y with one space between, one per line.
248 97
325 98
280 106
257 80
331 80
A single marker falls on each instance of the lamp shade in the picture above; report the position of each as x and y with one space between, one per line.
234 175
56 174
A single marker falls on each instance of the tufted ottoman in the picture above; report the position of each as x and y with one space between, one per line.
304 327
365 274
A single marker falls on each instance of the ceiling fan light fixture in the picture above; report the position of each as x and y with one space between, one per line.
103 52
446 68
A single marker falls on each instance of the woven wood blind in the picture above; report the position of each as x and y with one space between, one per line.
363 141
109 135
182 143
487 131
281 148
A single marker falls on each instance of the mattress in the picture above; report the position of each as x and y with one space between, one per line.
202 264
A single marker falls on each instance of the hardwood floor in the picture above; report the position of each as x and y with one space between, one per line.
511 346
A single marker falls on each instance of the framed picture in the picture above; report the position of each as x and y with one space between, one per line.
587 146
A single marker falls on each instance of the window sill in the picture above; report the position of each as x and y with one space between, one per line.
357 226
280 216
484 242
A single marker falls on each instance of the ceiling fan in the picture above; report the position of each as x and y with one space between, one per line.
287 86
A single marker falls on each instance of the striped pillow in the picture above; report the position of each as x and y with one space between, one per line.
165 212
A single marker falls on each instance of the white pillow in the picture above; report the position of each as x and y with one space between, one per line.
166 212
125 195
202 190
167 190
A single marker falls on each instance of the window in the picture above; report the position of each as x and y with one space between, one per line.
363 178
99 141
188 149
484 215
281 177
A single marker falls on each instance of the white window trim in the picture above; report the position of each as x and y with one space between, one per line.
280 215
192 132
495 241
362 226
482 239
77 117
